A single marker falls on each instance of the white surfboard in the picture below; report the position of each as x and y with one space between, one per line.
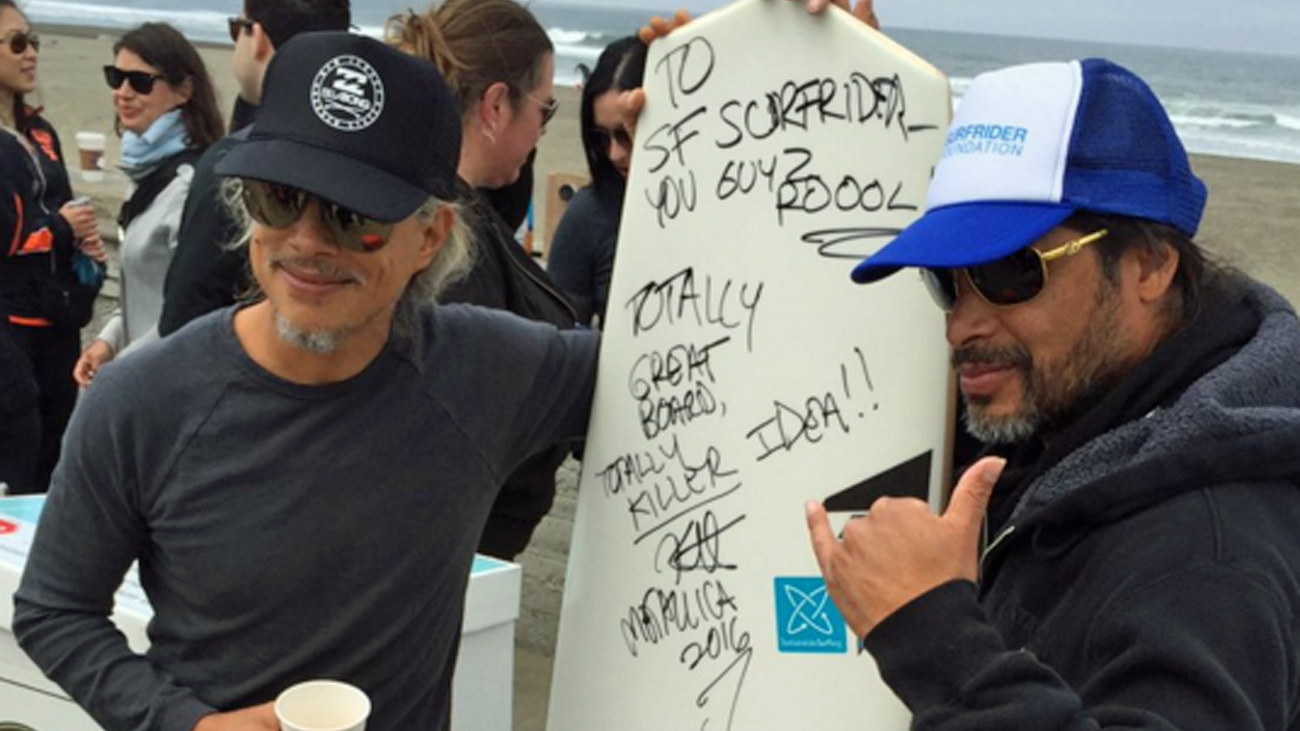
742 374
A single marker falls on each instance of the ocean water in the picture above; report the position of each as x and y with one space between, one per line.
1233 104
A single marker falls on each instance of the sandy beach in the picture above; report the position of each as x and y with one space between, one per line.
1252 222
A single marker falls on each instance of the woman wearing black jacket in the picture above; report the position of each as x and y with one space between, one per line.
500 63
41 298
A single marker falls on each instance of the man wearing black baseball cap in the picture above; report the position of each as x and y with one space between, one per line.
303 480
1143 559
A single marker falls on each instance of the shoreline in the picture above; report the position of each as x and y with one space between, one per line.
106 33
101 32
1252 220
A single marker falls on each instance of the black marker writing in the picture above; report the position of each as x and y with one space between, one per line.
789 426
673 196
721 638
697 547
811 420
802 105
736 672
663 613
628 471
680 364
683 300
740 177
687 68
804 190
664 413
841 243
674 388
668 141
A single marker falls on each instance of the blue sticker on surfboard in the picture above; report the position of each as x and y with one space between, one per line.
807 621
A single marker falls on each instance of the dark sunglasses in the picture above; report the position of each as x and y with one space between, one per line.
1011 280
278 206
19 42
549 108
239 25
141 81
605 136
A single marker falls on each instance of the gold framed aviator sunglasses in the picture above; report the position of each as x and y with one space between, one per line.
1011 280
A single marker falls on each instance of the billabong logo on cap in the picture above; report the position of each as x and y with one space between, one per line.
347 94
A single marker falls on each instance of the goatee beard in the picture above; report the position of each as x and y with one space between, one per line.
1009 428
1054 395
320 342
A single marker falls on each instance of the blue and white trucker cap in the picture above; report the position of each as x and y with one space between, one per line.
1029 146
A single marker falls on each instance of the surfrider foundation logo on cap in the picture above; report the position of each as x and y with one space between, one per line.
1007 140
347 94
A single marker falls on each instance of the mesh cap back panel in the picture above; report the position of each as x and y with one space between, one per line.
1125 157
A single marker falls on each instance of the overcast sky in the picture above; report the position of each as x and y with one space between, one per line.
1267 26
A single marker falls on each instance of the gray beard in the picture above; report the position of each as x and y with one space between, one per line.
1009 429
1054 400
320 342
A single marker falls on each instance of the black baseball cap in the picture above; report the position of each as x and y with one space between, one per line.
351 120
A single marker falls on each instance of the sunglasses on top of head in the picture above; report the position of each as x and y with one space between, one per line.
141 81
1011 280
278 206
19 42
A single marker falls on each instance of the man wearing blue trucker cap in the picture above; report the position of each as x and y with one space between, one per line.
1142 567
303 480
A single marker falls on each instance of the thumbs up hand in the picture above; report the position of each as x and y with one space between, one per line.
901 550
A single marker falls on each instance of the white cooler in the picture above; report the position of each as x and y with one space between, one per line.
481 695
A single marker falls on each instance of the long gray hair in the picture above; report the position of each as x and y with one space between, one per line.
452 262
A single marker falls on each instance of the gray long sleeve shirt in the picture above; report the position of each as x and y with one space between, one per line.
287 532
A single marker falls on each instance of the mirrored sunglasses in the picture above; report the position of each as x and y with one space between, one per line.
278 206
1011 280
141 81
238 26
19 42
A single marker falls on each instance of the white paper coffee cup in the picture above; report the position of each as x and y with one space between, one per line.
323 705
90 147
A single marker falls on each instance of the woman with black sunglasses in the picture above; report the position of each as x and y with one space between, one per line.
43 304
582 251
167 116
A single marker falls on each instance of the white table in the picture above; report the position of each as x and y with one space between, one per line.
481 693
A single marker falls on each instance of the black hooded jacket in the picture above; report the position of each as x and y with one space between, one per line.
1144 570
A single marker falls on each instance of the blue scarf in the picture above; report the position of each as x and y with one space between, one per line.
164 138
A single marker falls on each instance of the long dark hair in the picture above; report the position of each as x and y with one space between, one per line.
621 67
1196 272
164 48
